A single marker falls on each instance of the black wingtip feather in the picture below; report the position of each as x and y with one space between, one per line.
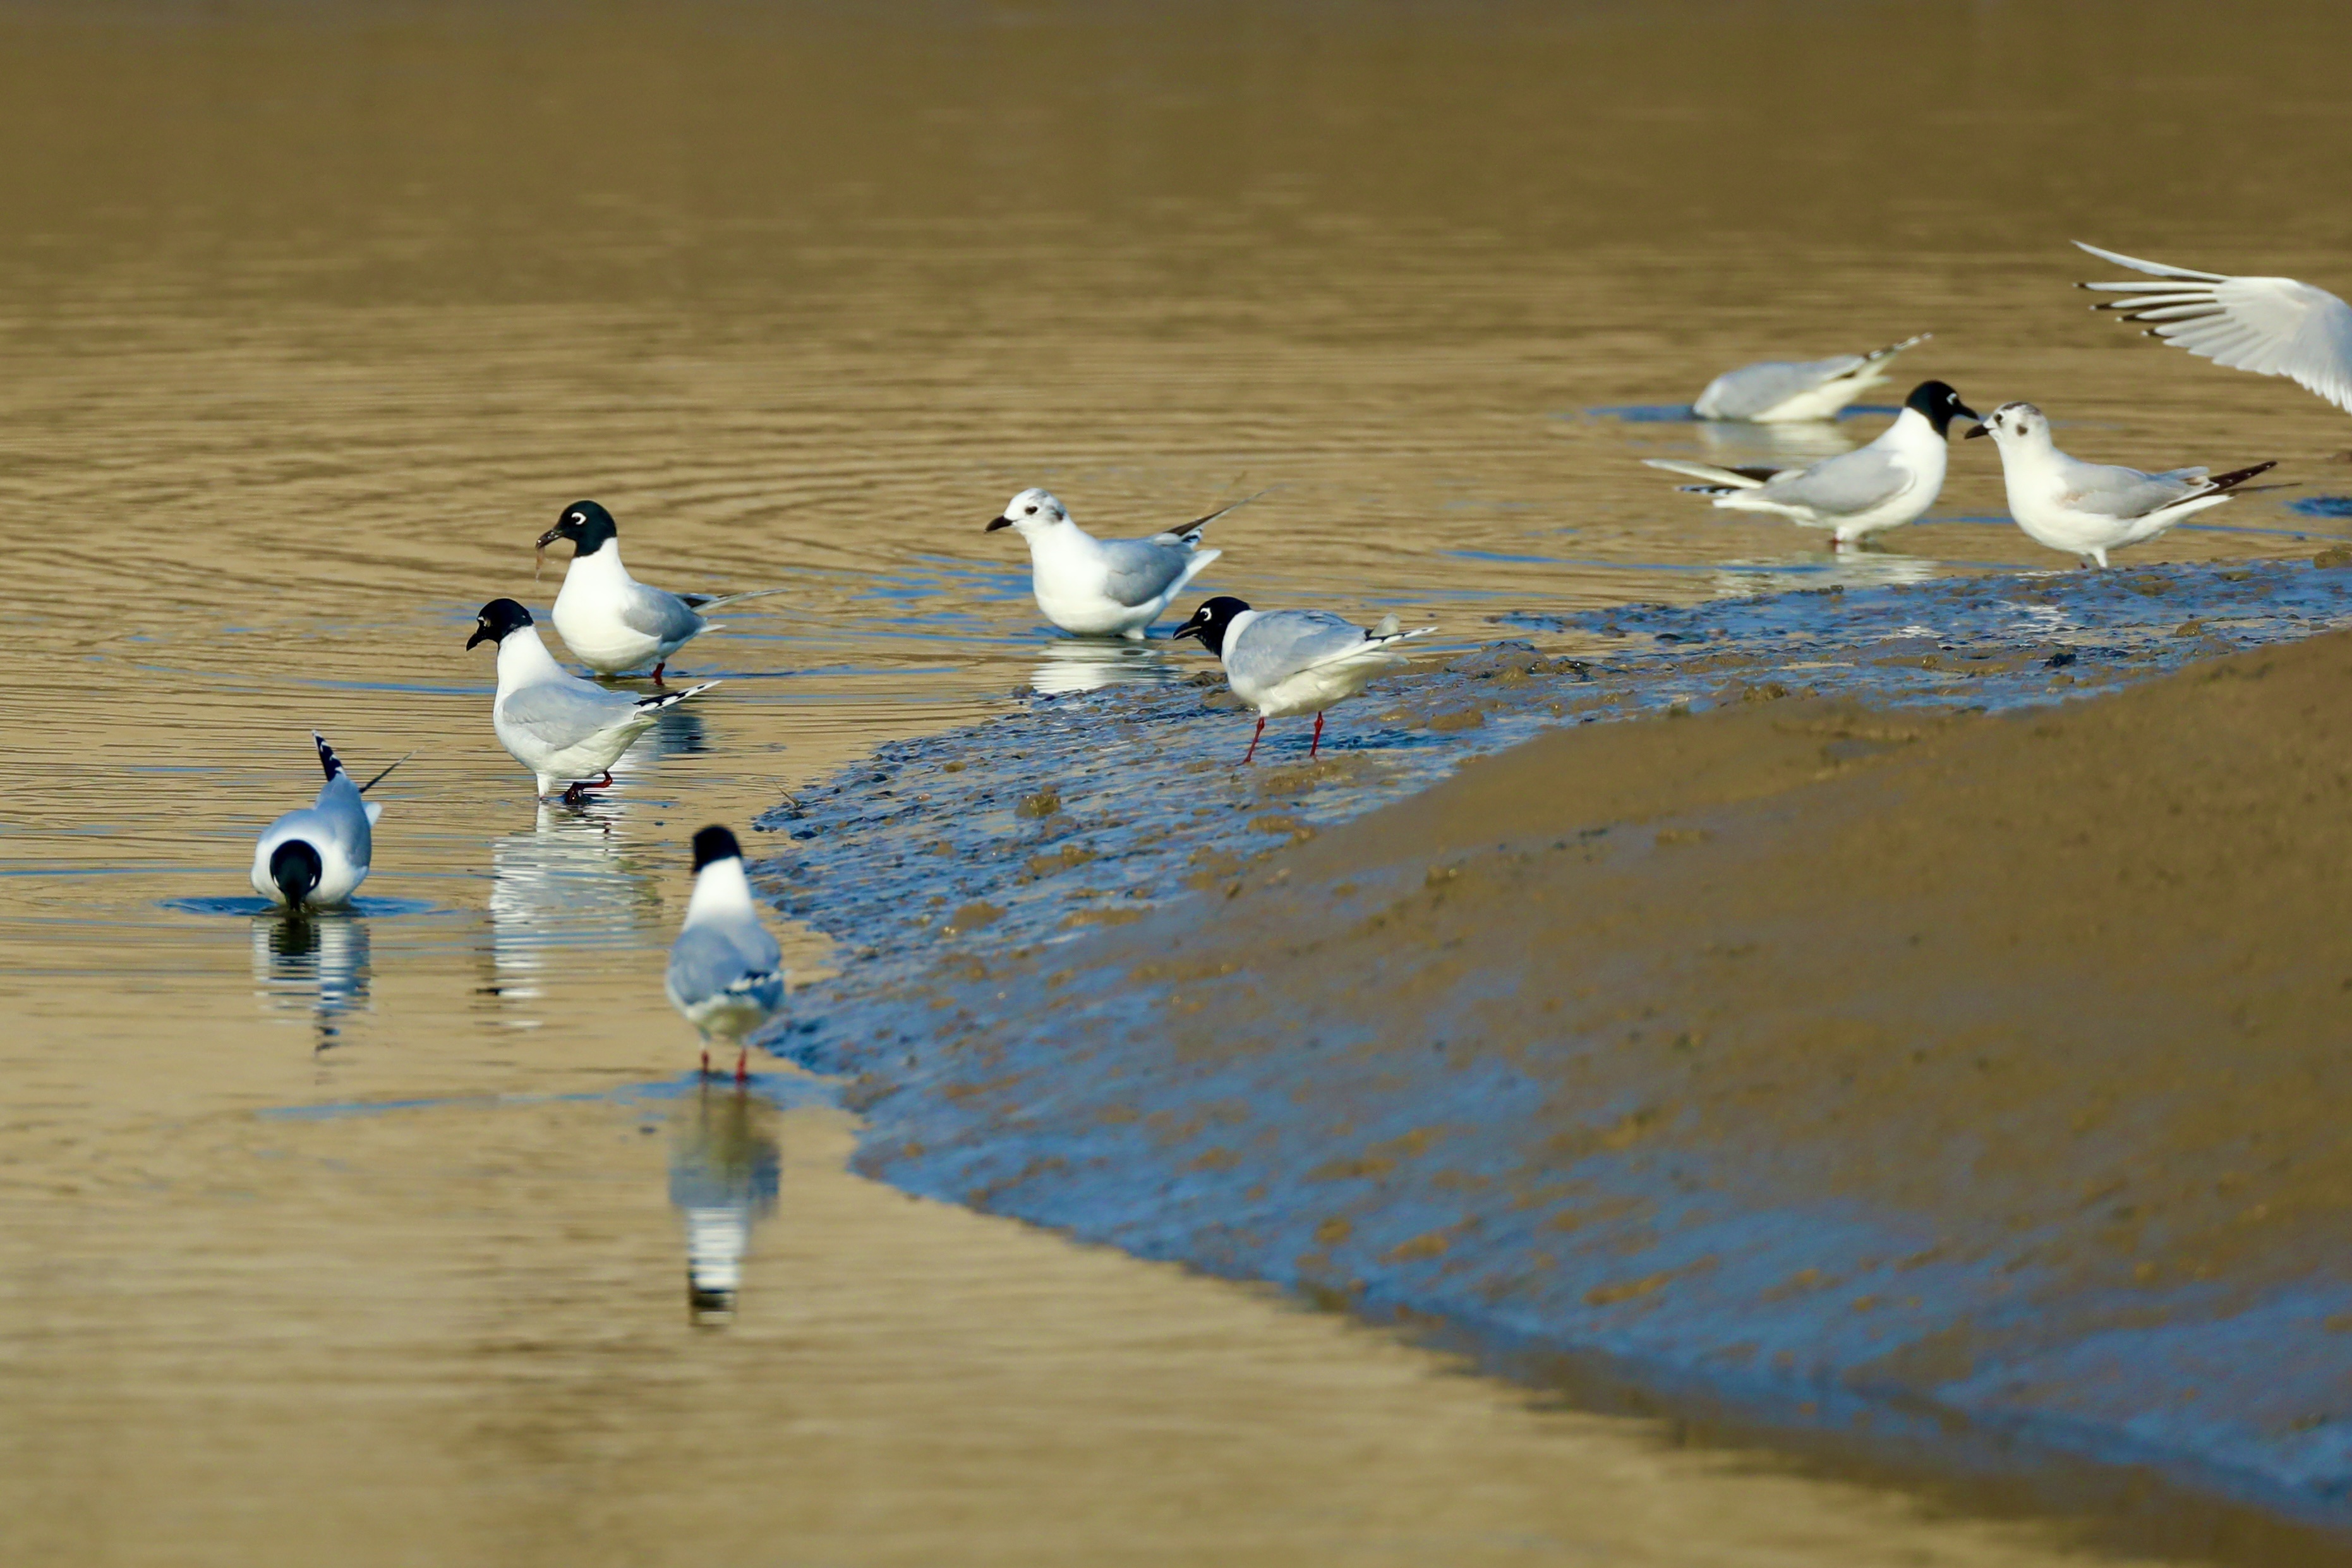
2232 481
328 761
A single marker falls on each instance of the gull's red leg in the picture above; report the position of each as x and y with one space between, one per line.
1254 740
657 669
1318 740
743 1055
606 782
706 1061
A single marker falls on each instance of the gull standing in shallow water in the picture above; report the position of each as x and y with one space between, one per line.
2272 326
612 622
1884 485
2089 509
1780 391
1104 587
1282 662
318 856
566 730
726 973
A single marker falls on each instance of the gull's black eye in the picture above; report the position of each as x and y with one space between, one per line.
1030 512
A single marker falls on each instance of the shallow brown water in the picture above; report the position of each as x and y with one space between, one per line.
313 316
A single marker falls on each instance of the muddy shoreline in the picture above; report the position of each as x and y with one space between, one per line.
1861 1038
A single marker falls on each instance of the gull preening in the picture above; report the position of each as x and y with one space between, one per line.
1283 662
1884 485
1104 587
2089 509
610 621
726 973
1776 391
2272 326
318 856
566 730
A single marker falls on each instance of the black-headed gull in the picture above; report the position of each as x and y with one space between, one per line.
1884 485
1779 390
2272 326
566 730
1104 587
726 973
2089 509
318 856
1283 662
610 621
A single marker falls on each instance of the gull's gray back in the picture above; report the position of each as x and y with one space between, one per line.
1850 482
565 712
1277 643
339 820
2108 490
711 956
661 616
1753 389
341 815
1138 571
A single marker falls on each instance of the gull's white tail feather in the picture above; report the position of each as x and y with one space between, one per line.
2156 522
1375 641
1709 472
1195 566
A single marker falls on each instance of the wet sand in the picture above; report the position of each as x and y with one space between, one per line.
1869 1065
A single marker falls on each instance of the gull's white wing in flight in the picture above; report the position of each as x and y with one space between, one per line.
2272 326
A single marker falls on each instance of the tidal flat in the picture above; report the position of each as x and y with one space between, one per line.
1891 1045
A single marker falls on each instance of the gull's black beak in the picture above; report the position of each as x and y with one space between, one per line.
1981 428
1000 523
550 537
481 634
1189 630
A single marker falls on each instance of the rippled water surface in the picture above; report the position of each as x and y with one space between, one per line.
366 1239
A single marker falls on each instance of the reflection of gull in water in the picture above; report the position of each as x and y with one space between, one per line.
679 732
1730 443
317 965
724 1171
569 881
1847 569
1085 665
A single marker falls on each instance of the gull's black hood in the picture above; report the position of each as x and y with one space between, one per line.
1940 403
498 618
588 526
1211 620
